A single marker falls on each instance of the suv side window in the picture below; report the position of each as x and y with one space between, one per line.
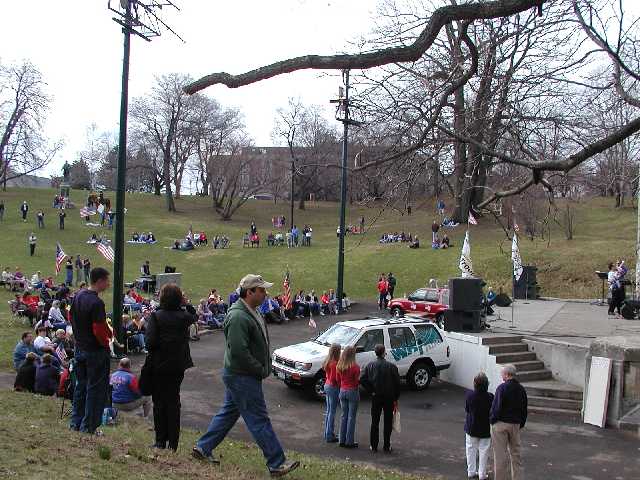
427 335
370 339
400 337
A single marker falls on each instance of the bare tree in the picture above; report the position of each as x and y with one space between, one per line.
23 109
160 118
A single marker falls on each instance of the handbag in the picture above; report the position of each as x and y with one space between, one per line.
396 425
145 382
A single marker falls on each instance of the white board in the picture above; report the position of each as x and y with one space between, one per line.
595 410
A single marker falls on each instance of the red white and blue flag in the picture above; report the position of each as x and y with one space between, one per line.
472 220
60 258
61 353
86 211
286 295
106 251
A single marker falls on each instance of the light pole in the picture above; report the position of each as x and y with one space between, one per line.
343 105
137 17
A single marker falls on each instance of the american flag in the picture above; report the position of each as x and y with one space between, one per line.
86 211
106 251
60 257
516 228
61 353
472 220
286 295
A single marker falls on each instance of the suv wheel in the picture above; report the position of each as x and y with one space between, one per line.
419 376
397 312
317 387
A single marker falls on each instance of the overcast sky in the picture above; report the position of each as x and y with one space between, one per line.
78 48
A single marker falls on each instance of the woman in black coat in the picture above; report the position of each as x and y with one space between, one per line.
167 341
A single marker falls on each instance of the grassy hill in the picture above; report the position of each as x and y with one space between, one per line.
565 267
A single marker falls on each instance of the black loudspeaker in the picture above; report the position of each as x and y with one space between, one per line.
465 294
527 286
629 309
457 321
502 300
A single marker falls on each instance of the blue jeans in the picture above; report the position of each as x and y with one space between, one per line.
349 400
331 397
90 394
243 396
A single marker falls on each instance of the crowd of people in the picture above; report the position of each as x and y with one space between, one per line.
396 237
144 237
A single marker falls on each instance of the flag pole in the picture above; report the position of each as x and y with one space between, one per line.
513 291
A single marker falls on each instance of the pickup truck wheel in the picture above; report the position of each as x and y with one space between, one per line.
419 376
397 312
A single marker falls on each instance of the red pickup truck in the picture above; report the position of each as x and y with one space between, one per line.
430 301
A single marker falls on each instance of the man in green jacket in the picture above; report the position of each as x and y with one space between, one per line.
247 361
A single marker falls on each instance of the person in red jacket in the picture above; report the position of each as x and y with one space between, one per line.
331 392
383 289
348 376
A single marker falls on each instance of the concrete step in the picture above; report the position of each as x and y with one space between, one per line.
553 389
555 411
508 348
529 365
499 339
534 375
515 357
552 402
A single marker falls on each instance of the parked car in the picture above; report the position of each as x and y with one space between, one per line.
419 349
430 301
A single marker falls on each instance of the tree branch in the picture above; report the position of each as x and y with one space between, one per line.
410 53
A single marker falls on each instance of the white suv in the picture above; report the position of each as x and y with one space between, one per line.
417 347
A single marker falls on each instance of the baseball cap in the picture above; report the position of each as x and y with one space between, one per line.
253 281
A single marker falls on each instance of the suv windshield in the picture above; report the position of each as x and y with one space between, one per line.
340 334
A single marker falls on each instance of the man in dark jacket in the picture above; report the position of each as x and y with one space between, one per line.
92 335
26 377
247 361
476 427
382 380
47 377
508 416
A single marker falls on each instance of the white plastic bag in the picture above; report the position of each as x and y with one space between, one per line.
397 426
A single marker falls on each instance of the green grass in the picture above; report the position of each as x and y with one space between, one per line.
565 267
36 444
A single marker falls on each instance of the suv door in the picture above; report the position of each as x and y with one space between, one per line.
403 348
367 344
430 343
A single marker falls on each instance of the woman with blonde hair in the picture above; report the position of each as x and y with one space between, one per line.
331 392
348 376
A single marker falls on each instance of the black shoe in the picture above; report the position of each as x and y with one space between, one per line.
373 449
332 440
157 445
198 454
351 445
388 450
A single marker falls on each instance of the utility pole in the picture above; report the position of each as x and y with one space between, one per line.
343 106
118 263
293 179
137 17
